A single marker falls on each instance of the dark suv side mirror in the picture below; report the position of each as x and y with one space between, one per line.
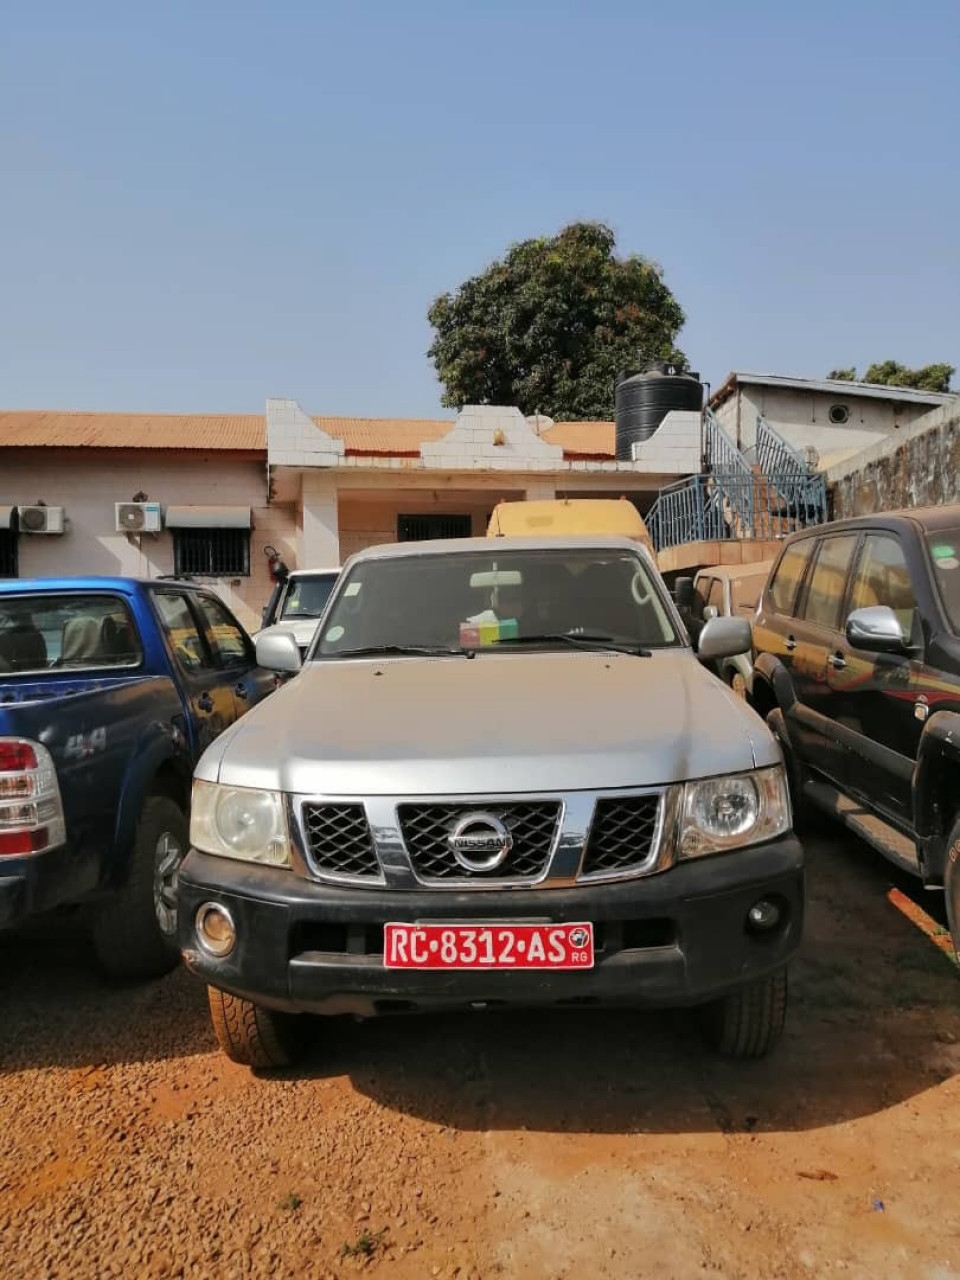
876 628
683 593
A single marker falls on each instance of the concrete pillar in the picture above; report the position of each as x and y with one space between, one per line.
319 534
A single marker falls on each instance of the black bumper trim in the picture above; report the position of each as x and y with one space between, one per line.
706 899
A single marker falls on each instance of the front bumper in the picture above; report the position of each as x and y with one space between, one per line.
39 882
676 938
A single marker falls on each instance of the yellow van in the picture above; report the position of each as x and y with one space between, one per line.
565 517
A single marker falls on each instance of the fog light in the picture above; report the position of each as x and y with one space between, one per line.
763 916
215 930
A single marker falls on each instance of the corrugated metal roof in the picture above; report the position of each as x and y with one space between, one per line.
835 386
67 429
31 428
391 436
583 439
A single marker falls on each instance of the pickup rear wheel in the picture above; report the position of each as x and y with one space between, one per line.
749 1022
252 1035
135 930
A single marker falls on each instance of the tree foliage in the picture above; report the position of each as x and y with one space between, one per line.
549 326
889 373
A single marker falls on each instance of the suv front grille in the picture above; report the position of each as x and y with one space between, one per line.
338 838
532 824
622 835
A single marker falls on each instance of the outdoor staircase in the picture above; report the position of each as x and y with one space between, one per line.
737 500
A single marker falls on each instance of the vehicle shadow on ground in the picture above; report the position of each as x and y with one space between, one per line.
58 1010
874 1021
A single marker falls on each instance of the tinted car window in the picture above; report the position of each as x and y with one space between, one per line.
497 598
786 580
944 548
882 577
47 632
226 638
715 597
179 625
828 581
307 597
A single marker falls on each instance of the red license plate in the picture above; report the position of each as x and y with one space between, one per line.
493 946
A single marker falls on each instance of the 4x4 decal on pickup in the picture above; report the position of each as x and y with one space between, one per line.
81 745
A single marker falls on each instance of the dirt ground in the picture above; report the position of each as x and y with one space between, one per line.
553 1145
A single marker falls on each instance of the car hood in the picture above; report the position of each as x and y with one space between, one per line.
301 631
522 722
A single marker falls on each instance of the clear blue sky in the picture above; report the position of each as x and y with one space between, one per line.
204 203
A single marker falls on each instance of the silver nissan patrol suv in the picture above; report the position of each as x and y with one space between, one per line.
500 777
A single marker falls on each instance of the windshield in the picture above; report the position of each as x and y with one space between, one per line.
480 599
307 597
52 632
944 547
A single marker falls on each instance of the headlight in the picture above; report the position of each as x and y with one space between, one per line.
728 813
239 822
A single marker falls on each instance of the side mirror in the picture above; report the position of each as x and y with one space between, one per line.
724 638
683 593
876 628
278 651
710 611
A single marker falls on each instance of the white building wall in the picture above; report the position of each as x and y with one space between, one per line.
87 483
803 418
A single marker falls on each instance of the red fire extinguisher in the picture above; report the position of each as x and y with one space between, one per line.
278 570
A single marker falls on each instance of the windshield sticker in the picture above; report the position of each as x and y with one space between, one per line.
943 552
352 589
334 634
948 562
475 635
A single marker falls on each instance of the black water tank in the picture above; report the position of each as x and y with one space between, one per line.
644 400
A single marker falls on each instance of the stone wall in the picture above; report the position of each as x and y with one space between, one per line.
918 467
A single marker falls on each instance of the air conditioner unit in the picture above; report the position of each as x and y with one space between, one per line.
139 517
40 519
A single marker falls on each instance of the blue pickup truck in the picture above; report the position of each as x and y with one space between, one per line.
110 690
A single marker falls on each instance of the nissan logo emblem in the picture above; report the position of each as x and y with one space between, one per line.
480 842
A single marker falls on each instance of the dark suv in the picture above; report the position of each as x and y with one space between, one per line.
857 670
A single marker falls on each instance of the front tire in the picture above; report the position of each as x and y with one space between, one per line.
252 1035
135 930
749 1022
804 815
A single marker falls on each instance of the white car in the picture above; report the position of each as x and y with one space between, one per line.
297 604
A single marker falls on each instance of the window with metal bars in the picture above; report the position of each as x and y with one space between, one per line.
8 553
424 528
211 553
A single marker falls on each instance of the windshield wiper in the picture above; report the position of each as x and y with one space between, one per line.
594 640
387 650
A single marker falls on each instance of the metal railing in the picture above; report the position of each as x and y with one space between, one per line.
710 508
777 456
720 455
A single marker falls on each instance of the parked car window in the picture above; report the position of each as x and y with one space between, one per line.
715 597
944 548
789 572
701 589
179 624
306 597
226 638
828 581
47 632
499 598
882 577
745 594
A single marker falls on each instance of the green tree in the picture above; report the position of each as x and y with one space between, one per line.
932 377
889 373
549 326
